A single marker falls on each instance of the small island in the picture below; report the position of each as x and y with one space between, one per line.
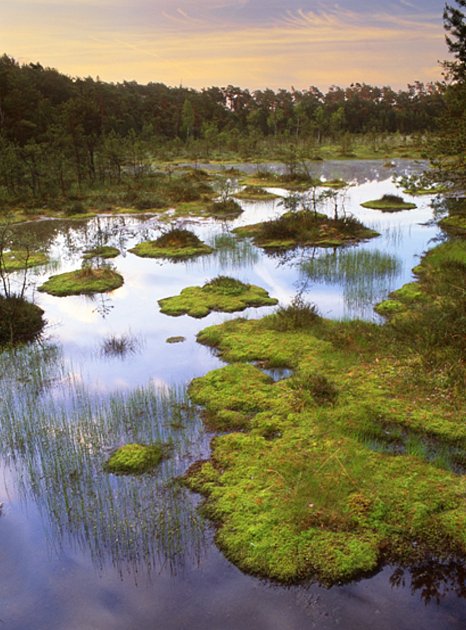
82 281
389 203
305 228
255 193
223 294
135 459
15 260
177 243
103 251
225 209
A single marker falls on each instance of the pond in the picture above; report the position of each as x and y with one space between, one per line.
84 549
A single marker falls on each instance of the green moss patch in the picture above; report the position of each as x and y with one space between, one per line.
135 459
220 294
255 193
177 339
16 260
82 281
389 203
105 251
338 468
305 228
175 243
454 224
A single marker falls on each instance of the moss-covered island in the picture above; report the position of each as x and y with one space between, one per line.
355 460
305 228
15 260
223 294
82 281
389 203
135 459
176 243
255 193
103 251
226 209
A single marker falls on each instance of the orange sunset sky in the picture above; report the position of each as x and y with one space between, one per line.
250 43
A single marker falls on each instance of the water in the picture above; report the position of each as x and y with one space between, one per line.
81 549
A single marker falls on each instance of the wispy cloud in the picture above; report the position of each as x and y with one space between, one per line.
212 42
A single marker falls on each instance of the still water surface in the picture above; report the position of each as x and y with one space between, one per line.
82 549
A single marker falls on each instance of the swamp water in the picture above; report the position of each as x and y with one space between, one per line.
83 549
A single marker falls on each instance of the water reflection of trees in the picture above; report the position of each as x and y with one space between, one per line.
432 579
56 436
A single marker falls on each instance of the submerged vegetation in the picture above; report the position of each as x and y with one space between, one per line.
365 275
83 281
176 243
57 436
223 294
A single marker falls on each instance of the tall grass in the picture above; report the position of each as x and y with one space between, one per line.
366 276
56 437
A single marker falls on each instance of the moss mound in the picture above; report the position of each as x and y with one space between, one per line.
135 459
228 209
223 294
20 320
105 251
305 228
389 203
311 485
16 260
255 193
82 281
176 243
454 224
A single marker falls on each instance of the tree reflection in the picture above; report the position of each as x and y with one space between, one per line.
433 579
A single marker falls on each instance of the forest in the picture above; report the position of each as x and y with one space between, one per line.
61 136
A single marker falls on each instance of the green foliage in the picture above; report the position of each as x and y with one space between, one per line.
85 280
297 315
135 459
223 294
20 320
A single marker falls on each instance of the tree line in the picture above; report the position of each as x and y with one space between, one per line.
59 133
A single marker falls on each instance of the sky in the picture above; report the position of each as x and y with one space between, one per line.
247 43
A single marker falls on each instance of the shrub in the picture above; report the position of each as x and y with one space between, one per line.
20 320
299 314
178 237
227 285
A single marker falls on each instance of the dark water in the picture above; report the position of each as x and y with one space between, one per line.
82 549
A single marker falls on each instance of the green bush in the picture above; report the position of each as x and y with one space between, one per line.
20 320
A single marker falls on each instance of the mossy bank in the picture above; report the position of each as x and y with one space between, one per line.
348 463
